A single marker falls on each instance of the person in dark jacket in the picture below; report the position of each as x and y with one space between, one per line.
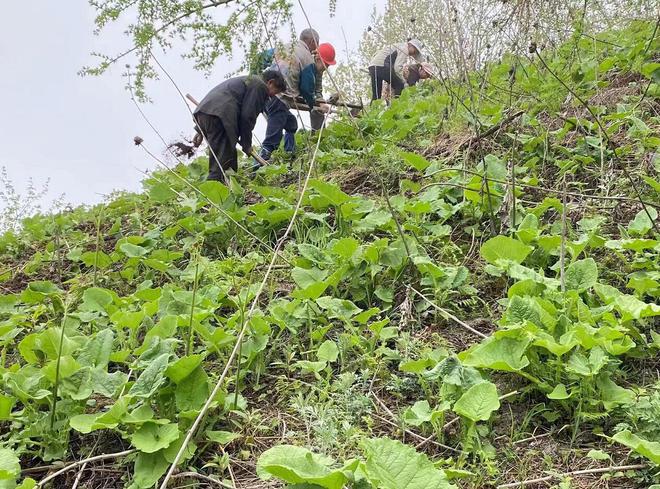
228 114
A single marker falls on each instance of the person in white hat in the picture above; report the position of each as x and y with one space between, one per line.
387 65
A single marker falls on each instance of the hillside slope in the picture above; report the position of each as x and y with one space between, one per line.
467 297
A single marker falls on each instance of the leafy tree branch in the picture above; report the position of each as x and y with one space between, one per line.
205 31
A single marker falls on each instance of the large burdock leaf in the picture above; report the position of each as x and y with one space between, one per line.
183 367
392 465
478 402
161 192
328 351
523 309
581 275
498 353
96 299
306 277
132 250
192 393
504 248
297 465
642 223
96 351
151 378
330 191
338 308
10 468
214 191
148 469
648 449
631 307
152 437
418 162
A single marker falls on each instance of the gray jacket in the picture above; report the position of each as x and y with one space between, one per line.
401 58
237 102
297 65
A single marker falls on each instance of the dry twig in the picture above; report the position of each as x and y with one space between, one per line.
548 478
201 477
448 314
85 461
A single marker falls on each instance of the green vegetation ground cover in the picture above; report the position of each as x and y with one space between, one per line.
449 310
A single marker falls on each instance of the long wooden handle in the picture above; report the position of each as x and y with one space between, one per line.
192 99
340 104
254 154
257 157
302 105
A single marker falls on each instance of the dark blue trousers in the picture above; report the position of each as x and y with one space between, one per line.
279 119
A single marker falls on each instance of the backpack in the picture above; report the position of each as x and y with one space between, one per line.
307 85
262 62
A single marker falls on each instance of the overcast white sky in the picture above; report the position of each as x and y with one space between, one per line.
78 131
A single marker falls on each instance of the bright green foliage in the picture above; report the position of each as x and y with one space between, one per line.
152 437
582 275
416 161
328 351
421 412
298 465
478 402
392 465
504 248
122 338
10 468
648 449
152 24
388 464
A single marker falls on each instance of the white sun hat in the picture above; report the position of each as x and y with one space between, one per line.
419 45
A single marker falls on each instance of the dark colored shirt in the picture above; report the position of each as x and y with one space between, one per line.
237 102
413 75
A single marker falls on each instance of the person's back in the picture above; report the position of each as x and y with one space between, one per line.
380 57
224 100
228 113
387 65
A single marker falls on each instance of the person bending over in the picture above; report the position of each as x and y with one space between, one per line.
413 74
387 65
228 114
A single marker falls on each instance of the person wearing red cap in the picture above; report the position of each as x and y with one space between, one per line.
303 70
324 58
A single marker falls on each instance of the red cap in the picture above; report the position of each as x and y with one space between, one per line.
327 53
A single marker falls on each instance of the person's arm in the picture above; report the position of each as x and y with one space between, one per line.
411 73
253 104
